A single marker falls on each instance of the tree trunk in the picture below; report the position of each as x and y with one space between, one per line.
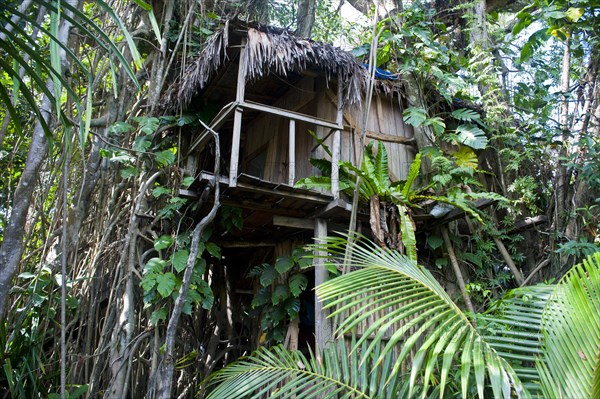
562 175
305 18
12 245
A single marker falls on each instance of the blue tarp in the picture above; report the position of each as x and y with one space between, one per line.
382 73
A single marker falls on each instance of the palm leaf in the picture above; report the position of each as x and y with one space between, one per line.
280 373
513 328
399 305
570 366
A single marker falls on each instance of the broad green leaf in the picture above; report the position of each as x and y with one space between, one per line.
160 190
280 294
208 297
464 114
129 171
166 157
147 124
148 282
213 249
573 14
158 315
434 241
472 136
268 275
283 264
466 157
163 242
261 298
166 284
414 116
436 123
155 265
120 127
179 259
297 283
187 181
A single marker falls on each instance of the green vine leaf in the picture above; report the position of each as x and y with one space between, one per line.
187 181
158 191
466 115
166 283
208 297
163 242
414 116
268 276
213 249
166 157
297 284
283 264
180 259
155 265
147 125
466 157
280 294
158 315
472 136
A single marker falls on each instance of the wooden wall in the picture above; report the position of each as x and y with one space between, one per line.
266 137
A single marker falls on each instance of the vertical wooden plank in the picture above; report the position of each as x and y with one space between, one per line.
292 153
335 151
323 328
237 119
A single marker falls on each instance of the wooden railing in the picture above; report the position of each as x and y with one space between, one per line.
237 109
240 104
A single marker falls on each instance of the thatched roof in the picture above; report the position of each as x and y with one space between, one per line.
271 51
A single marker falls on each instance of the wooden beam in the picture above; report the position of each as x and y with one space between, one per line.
337 143
245 244
235 148
215 124
237 120
292 153
333 207
290 114
298 223
323 328
388 138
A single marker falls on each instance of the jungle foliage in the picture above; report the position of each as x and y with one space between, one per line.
111 279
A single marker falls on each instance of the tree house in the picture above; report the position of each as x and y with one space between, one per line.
277 101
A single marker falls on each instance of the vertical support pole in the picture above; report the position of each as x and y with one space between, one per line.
237 118
323 327
336 147
292 153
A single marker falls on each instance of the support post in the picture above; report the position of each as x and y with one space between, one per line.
237 119
335 151
323 327
292 153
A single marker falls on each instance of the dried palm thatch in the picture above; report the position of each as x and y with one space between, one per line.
273 51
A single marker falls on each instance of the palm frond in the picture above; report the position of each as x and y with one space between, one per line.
286 374
398 304
513 328
569 366
27 53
